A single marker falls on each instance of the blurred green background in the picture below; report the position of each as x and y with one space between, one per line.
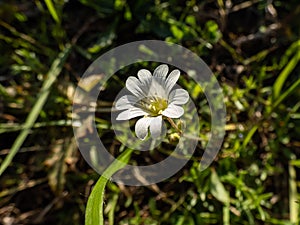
253 48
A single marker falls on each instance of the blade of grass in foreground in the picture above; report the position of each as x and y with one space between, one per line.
94 208
293 194
52 11
54 71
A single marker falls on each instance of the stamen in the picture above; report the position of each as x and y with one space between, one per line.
153 105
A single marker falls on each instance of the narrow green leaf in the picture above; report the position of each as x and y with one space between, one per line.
226 214
217 188
52 11
249 135
285 73
94 208
290 90
293 200
111 214
34 113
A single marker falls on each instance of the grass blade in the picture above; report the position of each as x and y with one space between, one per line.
285 73
94 208
52 11
249 136
219 191
286 93
217 188
54 71
293 200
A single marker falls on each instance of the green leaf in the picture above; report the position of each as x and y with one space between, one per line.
94 208
285 73
249 136
293 195
178 34
217 188
289 91
191 20
52 11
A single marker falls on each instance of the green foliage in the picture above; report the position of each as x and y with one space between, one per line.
34 113
94 208
253 49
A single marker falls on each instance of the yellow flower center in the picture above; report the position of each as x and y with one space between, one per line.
153 105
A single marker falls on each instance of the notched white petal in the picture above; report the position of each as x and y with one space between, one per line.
173 111
134 86
131 113
171 80
179 96
145 76
161 71
125 102
141 127
156 127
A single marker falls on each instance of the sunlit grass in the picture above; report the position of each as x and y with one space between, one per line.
47 45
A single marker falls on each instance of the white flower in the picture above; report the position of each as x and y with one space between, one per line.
152 97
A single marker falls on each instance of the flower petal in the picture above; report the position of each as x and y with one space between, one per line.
145 76
141 127
156 88
173 111
171 80
161 71
134 86
156 127
125 102
131 113
179 97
